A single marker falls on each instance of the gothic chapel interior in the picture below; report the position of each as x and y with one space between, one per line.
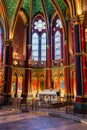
43 45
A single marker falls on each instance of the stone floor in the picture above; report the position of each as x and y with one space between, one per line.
11 119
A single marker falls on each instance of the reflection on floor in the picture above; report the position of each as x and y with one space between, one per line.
17 120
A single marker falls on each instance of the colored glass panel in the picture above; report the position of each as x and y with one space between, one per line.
35 41
57 41
43 47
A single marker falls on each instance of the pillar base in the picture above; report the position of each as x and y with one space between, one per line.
69 97
7 99
80 106
27 95
24 95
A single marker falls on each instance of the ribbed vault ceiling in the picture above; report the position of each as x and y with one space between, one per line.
11 6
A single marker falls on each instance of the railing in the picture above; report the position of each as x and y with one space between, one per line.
25 104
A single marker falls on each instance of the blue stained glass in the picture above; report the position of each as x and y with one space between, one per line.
35 41
43 47
57 41
38 40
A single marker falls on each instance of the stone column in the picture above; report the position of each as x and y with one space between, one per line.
65 70
68 61
83 57
8 67
27 65
72 69
80 105
29 89
79 84
48 72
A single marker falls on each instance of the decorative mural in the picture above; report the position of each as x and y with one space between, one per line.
38 81
14 85
58 82
17 83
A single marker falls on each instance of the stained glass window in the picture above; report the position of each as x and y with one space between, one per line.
57 38
35 41
39 25
39 39
43 47
58 23
57 41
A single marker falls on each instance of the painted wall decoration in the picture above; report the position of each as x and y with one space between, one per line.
62 84
34 84
62 89
14 87
42 85
14 80
20 82
1 78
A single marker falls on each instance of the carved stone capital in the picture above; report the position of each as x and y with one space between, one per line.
75 20
81 18
9 42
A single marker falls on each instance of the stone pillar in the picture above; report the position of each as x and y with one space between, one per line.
48 72
79 85
29 89
72 69
65 70
27 71
8 67
68 61
80 105
83 57
16 92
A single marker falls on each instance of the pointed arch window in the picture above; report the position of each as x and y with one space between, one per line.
39 39
57 46
39 25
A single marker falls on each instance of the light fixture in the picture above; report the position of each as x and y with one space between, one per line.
31 61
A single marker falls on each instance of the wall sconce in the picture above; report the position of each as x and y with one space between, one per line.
15 55
15 58
15 61
31 61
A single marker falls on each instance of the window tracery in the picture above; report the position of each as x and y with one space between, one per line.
39 39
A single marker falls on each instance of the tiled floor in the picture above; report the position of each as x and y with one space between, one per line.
16 120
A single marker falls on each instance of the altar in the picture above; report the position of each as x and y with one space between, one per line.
49 95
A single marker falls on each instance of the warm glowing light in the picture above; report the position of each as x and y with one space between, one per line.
31 61
79 11
79 8
0 9
23 16
11 35
15 55
86 35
